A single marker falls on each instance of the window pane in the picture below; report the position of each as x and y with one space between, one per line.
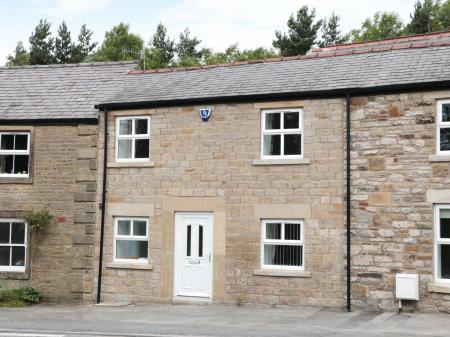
200 241
291 120
7 142
139 228
21 164
279 255
445 139
445 112
292 231
188 239
125 127
141 126
141 150
21 142
134 250
4 256
124 227
273 121
444 215
272 145
6 164
4 232
445 261
124 148
18 256
293 144
18 233
273 231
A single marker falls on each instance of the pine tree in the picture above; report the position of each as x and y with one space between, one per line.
64 47
302 33
423 19
164 44
20 57
331 34
41 44
443 16
84 47
186 49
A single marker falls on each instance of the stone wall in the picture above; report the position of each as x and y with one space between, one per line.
393 138
63 181
210 165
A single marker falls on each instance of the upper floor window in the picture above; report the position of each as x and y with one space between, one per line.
282 134
13 241
131 240
133 139
443 127
442 243
14 154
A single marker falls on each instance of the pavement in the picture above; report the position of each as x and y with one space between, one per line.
165 320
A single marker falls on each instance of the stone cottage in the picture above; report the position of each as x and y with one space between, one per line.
48 161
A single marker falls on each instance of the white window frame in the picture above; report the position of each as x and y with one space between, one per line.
437 241
440 125
133 138
16 152
282 132
282 242
130 237
15 269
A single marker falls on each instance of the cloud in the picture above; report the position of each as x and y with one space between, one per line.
65 8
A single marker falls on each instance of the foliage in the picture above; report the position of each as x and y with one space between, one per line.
41 44
234 54
38 220
331 34
302 33
20 56
19 297
424 17
116 41
164 44
383 25
443 16
84 47
64 47
187 49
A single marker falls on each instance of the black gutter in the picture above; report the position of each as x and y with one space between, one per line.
334 93
348 199
50 121
102 221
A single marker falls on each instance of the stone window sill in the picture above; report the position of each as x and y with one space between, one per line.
9 275
439 288
5 180
132 164
281 273
139 266
439 158
262 162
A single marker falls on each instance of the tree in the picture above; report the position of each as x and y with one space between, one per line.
331 34
423 20
64 47
116 40
186 49
443 16
233 54
302 33
20 57
41 44
164 44
84 47
383 25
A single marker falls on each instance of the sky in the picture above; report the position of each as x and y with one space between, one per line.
218 23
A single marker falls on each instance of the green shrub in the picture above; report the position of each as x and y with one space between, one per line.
29 295
19 297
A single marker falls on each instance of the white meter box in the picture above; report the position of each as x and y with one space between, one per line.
407 287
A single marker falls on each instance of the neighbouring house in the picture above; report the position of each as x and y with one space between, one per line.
48 161
239 183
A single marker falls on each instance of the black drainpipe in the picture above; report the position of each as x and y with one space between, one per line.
349 260
103 206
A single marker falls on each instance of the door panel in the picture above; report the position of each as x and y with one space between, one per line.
193 254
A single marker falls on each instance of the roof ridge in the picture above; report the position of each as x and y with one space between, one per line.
69 65
309 56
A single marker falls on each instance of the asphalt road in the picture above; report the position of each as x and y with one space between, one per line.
213 320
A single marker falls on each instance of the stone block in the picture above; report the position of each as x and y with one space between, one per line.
84 218
83 240
87 153
376 163
85 196
380 199
440 170
87 130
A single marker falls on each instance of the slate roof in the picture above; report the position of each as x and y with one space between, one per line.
322 71
58 91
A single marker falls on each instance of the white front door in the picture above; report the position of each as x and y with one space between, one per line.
193 254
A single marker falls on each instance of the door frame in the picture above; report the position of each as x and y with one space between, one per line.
177 216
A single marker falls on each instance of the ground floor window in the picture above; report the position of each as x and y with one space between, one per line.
282 244
131 240
13 241
442 243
